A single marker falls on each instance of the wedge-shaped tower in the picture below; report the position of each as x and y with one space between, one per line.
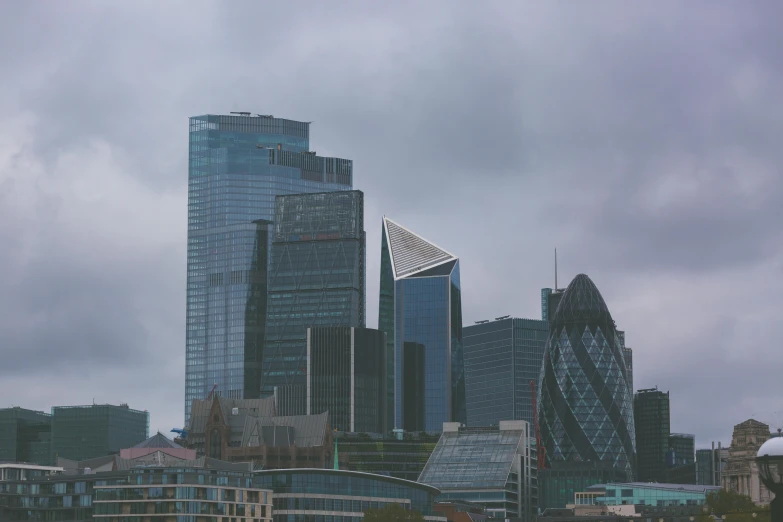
421 306
585 404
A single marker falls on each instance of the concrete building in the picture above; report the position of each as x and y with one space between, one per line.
742 474
200 490
494 467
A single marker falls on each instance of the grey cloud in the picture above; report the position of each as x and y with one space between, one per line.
498 131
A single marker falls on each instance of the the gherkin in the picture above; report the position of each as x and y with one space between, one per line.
585 403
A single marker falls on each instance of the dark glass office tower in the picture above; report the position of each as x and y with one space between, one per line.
346 376
651 415
585 405
316 278
237 165
420 302
501 358
550 299
682 449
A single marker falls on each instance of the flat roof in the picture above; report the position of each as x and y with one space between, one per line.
358 474
692 488
13 465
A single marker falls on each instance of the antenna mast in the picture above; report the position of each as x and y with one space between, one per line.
555 269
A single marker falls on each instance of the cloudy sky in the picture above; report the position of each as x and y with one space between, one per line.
641 139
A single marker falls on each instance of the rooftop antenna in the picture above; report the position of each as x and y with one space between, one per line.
555 269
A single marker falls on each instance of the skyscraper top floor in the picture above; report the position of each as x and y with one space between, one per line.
293 135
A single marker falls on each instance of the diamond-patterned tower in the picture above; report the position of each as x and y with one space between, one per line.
585 404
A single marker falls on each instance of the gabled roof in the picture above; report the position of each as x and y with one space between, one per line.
199 412
158 441
411 253
302 430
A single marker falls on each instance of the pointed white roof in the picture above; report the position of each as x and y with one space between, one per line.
410 253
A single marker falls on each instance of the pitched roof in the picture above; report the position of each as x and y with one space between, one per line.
303 431
411 253
470 458
199 412
158 441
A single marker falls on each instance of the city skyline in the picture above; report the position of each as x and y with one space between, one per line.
651 169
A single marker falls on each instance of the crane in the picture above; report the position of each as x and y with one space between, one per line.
540 449
212 392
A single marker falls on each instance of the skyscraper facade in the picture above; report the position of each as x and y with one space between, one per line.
502 357
420 302
585 405
653 425
550 298
682 449
628 356
237 165
346 377
316 278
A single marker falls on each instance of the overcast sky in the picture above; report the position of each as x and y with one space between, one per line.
642 139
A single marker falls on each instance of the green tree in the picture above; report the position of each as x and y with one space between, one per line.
392 513
722 502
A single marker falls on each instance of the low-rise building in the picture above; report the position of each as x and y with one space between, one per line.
249 430
652 494
742 474
402 457
340 495
153 487
461 511
494 467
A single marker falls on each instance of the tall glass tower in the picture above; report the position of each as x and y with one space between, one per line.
237 165
316 278
502 357
421 304
585 405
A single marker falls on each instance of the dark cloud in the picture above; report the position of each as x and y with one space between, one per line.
642 142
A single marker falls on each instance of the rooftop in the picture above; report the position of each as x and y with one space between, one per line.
347 473
158 441
693 488
411 253
473 458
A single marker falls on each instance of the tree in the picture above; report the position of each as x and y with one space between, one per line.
392 513
722 502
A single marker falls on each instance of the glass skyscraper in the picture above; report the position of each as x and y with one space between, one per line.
585 405
316 278
502 357
420 303
237 165
346 377
653 425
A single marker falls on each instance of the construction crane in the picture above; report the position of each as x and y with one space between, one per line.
211 392
540 449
